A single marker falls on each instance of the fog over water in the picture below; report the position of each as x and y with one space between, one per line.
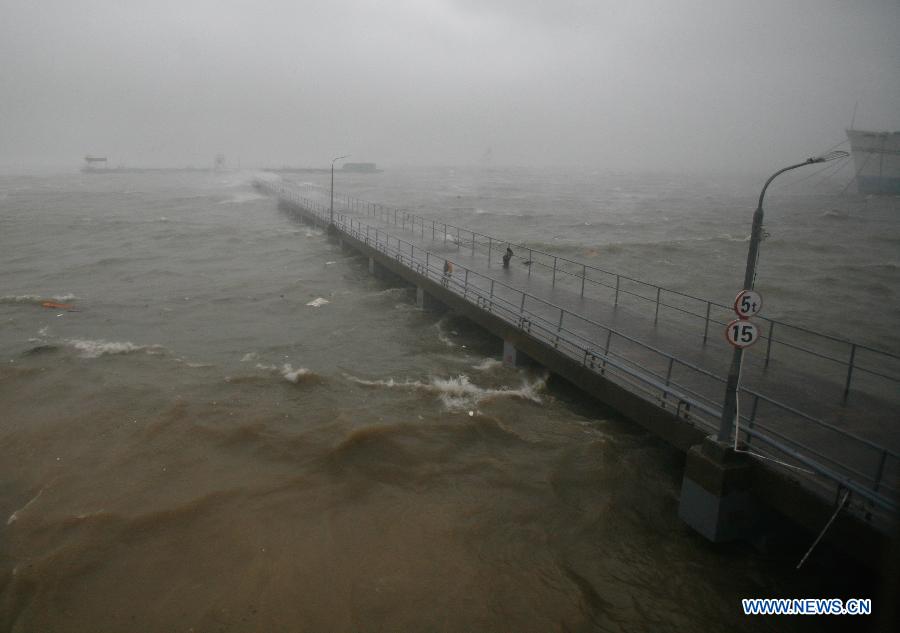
734 86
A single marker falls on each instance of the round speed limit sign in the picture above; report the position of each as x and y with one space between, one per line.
741 333
747 303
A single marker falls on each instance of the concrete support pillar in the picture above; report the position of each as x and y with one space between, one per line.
425 301
715 493
371 266
512 357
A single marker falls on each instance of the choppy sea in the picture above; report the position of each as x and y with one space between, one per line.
221 422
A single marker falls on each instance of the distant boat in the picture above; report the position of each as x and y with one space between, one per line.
100 165
876 156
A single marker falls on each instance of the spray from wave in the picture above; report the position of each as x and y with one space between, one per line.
459 394
488 364
35 299
95 349
286 371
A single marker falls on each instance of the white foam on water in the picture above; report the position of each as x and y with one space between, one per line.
95 349
459 394
318 302
295 375
442 336
250 357
488 364
11 299
288 372
15 515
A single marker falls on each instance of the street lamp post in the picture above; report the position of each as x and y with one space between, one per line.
332 185
729 410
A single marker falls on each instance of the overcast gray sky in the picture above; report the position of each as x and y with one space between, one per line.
630 84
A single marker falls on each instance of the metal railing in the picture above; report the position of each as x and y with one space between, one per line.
856 366
837 457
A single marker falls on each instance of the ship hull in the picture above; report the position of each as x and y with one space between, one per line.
876 157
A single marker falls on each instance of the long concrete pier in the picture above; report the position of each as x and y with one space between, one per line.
813 449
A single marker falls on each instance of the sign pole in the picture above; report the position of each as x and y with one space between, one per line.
726 423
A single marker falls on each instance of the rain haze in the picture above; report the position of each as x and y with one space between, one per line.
449 315
617 85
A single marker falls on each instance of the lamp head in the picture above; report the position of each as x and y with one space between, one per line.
824 158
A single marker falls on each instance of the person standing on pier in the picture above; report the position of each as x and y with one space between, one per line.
448 271
507 256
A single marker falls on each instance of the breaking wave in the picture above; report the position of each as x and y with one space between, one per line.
95 349
286 371
35 299
459 394
488 364
442 334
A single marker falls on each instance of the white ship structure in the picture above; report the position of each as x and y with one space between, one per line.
876 156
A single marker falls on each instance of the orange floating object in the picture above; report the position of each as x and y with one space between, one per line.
59 306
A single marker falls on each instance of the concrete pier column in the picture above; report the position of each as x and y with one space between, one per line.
715 493
513 357
426 301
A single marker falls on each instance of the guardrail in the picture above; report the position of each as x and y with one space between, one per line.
856 366
837 457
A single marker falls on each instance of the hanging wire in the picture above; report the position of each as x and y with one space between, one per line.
840 164
858 172
840 506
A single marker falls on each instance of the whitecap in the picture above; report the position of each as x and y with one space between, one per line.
459 394
295 375
95 349
15 515
318 302
488 364
11 299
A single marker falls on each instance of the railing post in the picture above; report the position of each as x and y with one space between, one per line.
432 230
752 416
583 275
457 239
466 285
668 380
530 261
769 343
489 253
617 291
656 316
522 306
849 371
559 327
445 235
880 472
606 350
473 243
706 324
553 285
427 262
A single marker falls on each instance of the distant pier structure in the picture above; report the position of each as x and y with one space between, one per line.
94 163
362 168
